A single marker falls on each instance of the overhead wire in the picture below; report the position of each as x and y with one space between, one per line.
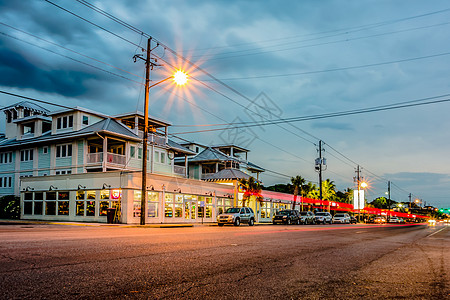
170 50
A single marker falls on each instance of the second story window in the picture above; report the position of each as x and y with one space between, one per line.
6 158
64 122
64 150
85 120
26 155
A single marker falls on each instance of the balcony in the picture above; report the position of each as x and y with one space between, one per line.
179 170
111 158
153 138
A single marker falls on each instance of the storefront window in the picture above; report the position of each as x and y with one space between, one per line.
80 208
63 203
104 202
50 203
178 210
168 205
27 207
208 211
90 195
137 204
153 203
38 207
90 208
80 195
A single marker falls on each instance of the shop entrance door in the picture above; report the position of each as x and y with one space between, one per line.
190 209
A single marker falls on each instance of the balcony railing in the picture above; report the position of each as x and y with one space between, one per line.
111 158
117 159
93 158
153 138
179 170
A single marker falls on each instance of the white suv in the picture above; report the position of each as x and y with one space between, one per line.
323 217
236 216
341 218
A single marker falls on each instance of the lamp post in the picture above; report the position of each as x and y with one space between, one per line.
180 78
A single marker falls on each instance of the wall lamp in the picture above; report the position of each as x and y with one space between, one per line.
81 187
28 188
151 188
106 186
177 190
52 188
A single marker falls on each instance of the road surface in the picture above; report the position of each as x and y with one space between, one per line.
210 262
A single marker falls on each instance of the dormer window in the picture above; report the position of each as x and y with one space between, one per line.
64 122
28 128
85 120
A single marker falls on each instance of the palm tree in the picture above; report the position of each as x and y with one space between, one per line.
297 182
328 189
310 191
251 187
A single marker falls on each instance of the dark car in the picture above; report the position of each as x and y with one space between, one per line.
353 220
288 217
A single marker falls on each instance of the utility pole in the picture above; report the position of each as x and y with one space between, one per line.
320 170
410 206
358 183
389 199
145 138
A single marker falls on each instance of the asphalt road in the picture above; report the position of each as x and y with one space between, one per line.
210 262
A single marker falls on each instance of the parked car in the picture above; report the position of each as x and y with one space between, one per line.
341 218
353 220
236 216
307 217
394 220
379 220
323 217
288 217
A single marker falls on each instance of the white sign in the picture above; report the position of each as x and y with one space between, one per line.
358 199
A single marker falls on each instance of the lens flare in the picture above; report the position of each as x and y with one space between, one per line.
180 77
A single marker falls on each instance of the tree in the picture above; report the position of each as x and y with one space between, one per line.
328 190
281 188
380 202
310 191
251 187
297 182
9 207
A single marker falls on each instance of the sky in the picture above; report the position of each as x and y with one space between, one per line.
257 61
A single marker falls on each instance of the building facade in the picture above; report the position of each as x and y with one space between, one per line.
76 164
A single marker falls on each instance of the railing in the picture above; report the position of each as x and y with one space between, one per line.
111 158
93 158
117 159
179 170
156 139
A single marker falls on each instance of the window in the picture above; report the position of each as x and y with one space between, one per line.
45 150
64 122
132 151
163 157
6 158
157 156
63 172
26 155
28 128
64 150
63 203
104 202
140 153
153 202
50 203
6 182
85 120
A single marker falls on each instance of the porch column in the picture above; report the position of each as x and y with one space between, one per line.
186 174
105 152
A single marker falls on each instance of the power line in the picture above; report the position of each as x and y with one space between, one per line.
347 29
324 43
325 116
338 69
71 58
174 53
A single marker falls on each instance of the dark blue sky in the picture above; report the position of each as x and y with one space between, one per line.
294 58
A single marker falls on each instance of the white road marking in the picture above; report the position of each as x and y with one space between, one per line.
435 232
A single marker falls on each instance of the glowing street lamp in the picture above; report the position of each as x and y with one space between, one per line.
180 78
364 184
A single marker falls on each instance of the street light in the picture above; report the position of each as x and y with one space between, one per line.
180 78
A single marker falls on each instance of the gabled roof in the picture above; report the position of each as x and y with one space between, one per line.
33 117
226 174
29 105
252 166
211 154
179 148
140 114
77 108
109 126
